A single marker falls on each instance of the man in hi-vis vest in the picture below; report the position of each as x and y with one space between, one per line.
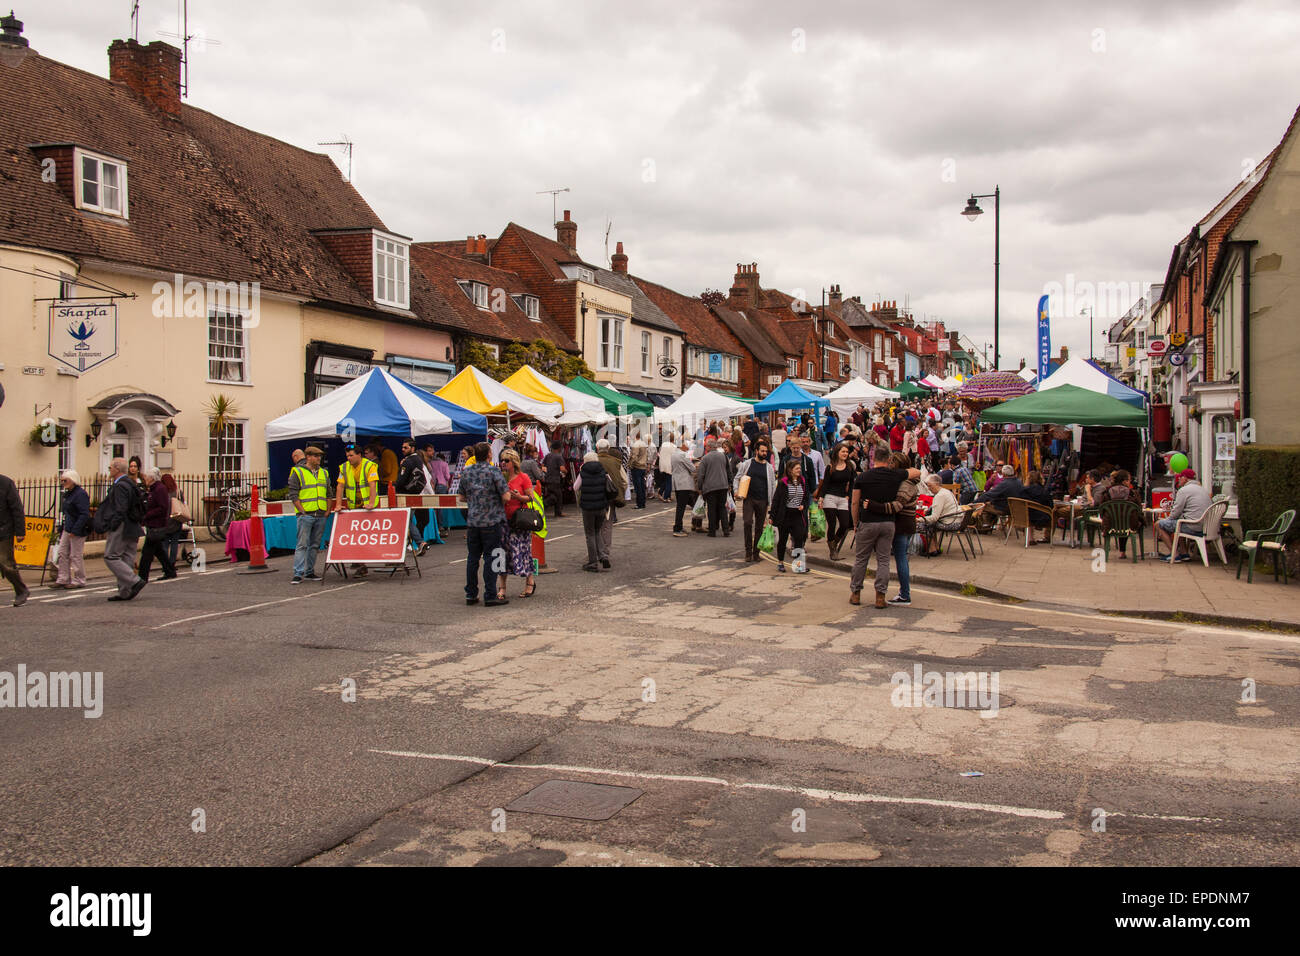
358 488
309 492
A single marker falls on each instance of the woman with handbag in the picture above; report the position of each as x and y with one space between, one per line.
790 513
517 535
157 516
833 496
76 525
179 519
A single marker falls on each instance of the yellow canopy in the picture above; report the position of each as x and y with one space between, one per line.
579 407
474 390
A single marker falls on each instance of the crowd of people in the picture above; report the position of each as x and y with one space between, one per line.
862 476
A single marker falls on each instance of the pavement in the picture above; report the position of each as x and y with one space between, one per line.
744 717
1081 579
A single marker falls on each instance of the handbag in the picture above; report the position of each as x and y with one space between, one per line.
526 519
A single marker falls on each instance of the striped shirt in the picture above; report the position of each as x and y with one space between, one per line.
794 495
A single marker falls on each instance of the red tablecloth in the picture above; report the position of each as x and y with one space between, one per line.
237 538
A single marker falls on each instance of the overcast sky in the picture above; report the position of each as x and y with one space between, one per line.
836 144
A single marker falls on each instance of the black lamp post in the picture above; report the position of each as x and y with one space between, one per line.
973 212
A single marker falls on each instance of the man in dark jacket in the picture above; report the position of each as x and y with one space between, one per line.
1009 487
613 465
593 501
555 471
13 527
118 517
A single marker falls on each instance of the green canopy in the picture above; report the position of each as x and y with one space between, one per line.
910 390
739 398
616 403
1066 405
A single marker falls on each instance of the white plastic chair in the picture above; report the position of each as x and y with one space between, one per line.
1212 523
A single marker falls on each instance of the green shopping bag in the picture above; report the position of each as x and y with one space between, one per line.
767 540
816 522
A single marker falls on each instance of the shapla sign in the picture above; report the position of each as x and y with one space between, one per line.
83 335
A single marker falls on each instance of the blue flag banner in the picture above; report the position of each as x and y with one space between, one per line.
1044 339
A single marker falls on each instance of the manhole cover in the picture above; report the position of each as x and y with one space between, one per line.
578 801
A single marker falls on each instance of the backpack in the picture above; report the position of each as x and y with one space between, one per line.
135 505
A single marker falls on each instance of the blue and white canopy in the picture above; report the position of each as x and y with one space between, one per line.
1081 372
376 404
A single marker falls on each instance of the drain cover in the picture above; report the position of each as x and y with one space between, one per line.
578 801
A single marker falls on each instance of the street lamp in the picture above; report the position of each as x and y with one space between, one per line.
973 212
1088 309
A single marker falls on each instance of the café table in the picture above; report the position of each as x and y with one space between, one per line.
1070 508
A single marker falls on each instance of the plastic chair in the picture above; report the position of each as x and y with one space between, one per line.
1021 509
1270 541
1212 523
1117 518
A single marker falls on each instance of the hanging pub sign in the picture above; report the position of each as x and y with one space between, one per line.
83 335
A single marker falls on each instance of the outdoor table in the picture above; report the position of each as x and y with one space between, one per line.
1155 514
1071 509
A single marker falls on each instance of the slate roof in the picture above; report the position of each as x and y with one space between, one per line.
700 326
644 310
207 198
751 335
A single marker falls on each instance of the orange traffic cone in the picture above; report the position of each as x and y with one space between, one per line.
256 540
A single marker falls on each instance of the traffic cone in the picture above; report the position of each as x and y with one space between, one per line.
256 540
539 556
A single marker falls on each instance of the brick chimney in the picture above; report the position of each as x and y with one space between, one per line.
566 232
476 248
1022 365
953 345
835 298
745 288
153 72
618 261
1065 354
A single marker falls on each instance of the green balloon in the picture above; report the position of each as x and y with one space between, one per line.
1178 462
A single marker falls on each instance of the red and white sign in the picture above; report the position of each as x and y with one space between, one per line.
1156 346
369 537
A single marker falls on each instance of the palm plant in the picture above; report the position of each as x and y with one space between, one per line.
221 411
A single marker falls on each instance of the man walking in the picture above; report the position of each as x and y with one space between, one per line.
758 496
485 490
713 481
683 474
878 486
613 466
593 502
554 471
13 527
309 492
639 462
119 516
412 479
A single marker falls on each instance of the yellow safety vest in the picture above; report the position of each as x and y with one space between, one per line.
356 487
313 489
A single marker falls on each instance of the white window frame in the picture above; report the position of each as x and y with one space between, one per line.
812 369
67 448
240 426
792 368
647 341
239 340
392 270
609 355
80 156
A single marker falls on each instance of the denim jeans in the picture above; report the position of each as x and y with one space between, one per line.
483 544
311 528
901 542
638 486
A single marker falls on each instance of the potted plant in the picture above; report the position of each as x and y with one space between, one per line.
48 433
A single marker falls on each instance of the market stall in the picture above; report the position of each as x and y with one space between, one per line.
579 408
698 404
857 391
479 393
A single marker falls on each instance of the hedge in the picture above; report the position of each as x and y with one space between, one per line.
1268 483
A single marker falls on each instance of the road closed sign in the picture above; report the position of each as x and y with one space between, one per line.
369 537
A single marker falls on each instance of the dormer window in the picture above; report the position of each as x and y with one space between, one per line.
392 271
477 292
575 271
101 185
528 304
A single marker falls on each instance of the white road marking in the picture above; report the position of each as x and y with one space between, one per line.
838 796
253 607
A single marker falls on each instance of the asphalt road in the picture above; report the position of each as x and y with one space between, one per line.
754 711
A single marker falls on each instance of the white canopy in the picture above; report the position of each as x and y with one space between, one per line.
1028 374
846 399
699 402
934 381
579 407
950 383
476 391
1081 372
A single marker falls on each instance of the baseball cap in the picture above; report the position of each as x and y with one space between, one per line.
1187 473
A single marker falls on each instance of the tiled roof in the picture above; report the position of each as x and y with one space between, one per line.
644 310
207 198
549 252
510 325
775 333
857 315
692 316
751 335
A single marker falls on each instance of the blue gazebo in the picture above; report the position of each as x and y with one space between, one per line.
788 395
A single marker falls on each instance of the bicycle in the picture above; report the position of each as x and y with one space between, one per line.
220 517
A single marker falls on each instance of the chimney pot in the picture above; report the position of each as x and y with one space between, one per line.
152 73
566 232
618 261
566 216
469 244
